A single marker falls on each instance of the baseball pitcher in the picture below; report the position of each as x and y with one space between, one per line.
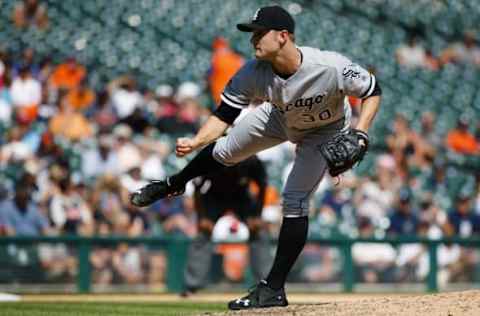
303 91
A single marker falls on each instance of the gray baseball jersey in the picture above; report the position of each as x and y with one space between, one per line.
310 98
307 108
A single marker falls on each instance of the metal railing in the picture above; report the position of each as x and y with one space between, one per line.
176 250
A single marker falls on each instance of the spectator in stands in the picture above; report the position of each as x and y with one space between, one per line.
49 152
21 216
410 256
132 179
109 198
465 52
100 160
26 93
70 123
129 261
173 217
189 115
58 261
157 267
124 96
432 213
6 104
403 218
375 196
67 75
16 150
81 98
319 263
154 153
374 261
27 59
427 131
462 221
400 143
30 13
423 144
129 264
186 119
439 183
137 121
224 64
166 105
332 205
48 183
69 212
128 154
101 257
412 54
460 140
104 114
45 69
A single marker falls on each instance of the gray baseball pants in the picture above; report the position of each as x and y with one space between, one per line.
264 127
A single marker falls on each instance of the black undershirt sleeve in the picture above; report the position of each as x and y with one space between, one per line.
227 113
376 90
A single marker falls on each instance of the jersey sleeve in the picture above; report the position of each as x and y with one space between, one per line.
353 79
240 90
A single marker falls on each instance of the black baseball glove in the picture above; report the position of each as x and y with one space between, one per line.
344 150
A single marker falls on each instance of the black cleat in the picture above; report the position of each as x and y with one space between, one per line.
154 191
260 296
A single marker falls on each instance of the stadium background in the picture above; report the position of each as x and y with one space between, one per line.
156 55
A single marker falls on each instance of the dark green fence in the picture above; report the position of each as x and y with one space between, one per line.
176 250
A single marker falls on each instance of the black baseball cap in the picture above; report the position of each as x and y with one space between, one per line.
269 18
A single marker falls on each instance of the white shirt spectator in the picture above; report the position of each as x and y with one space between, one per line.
15 151
446 255
365 253
411 57
411 54
125 102
94 165
152 168
26 92
132 184
128 157
375 201
64 207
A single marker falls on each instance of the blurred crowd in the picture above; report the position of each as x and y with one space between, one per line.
71 154
414 54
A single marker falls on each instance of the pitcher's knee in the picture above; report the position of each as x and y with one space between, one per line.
224 156
295 205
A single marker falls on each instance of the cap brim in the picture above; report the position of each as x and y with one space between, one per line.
249 27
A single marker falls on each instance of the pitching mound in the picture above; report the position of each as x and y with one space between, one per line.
445 304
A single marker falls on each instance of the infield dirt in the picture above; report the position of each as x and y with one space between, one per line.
446 304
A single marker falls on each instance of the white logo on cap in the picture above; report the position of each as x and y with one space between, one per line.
255 16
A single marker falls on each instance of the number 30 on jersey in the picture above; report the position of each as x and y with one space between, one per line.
322 116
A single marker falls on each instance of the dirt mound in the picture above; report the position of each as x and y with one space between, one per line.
446 304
